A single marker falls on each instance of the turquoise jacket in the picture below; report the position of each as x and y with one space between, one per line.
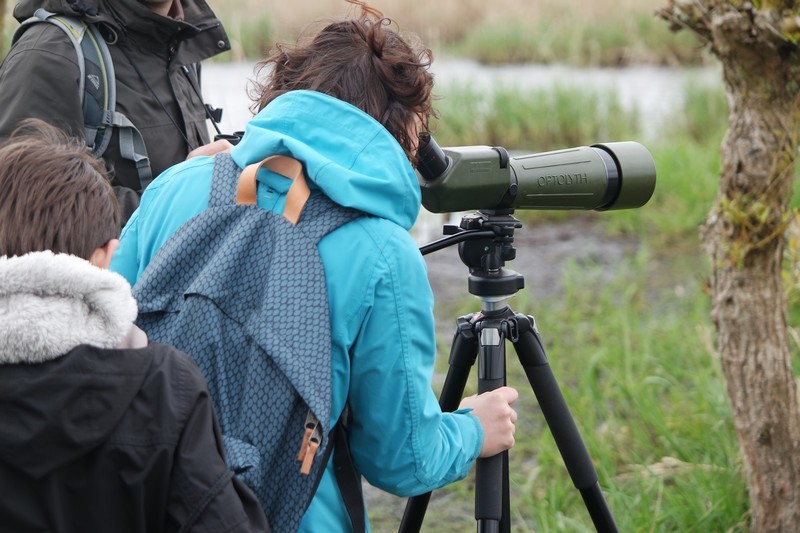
381 303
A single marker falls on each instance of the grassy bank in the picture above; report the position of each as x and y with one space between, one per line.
605 32
601 33
635 361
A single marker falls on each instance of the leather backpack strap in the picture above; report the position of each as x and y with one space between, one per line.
287 167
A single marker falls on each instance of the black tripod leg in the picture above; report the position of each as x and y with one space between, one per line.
565 433
463 352
491 473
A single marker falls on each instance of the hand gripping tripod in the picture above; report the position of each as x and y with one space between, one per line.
485 242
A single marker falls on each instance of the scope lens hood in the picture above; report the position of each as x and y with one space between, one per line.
637 173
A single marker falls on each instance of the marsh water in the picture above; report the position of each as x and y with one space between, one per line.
653 91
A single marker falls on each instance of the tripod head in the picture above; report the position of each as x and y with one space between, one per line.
485 242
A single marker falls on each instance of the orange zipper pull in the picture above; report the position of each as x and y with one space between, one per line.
311 425
313 446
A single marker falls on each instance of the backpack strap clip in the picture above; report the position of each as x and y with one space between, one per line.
285 166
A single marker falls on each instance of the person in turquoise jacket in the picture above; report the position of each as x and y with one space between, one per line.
349 104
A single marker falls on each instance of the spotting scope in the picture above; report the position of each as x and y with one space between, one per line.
614 175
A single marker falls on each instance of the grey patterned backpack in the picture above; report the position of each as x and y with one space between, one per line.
242 290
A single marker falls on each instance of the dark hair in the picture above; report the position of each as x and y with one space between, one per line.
54 194
361 61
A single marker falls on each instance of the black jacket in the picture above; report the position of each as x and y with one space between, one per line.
99 438
39 78
115 440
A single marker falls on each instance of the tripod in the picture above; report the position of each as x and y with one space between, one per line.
485 242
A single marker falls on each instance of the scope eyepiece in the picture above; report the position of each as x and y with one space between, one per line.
431 160
232 138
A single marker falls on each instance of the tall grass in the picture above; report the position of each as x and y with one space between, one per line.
644 385
605 32
616 38
540 120
632 350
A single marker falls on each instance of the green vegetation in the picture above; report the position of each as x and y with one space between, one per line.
251 36
619 38
537 120
632 350
634 359
554 32
610 33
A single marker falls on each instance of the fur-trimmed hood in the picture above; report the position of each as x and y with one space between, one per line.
64 384
51 303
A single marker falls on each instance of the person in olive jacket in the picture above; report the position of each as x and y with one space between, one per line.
101 430
156 47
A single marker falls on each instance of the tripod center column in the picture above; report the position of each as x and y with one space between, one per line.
491 359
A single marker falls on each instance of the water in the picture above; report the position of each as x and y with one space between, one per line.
654 91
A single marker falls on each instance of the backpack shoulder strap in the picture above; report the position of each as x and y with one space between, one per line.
223 181
74 28
97 85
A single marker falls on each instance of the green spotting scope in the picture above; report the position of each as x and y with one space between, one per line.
614 175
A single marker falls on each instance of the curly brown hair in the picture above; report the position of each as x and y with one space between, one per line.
362 61
55 194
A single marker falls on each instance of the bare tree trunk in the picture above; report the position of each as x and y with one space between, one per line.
749 307
743 236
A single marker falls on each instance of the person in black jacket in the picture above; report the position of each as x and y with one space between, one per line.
156 47
101 430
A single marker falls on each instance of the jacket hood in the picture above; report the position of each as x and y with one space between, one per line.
62 391
25 8
51 303
129 11
123 19
347 154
